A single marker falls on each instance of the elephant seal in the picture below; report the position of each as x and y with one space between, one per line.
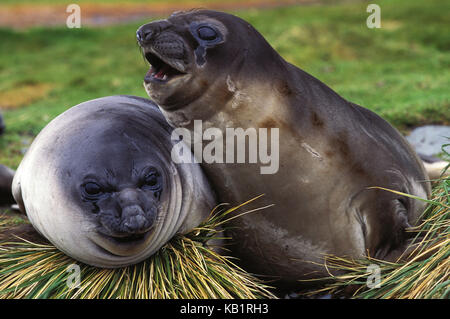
100 184
2 125
6 178
216 67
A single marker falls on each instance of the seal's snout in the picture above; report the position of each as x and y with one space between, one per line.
164 49
135 220
145 34
137 212
149 31
129 215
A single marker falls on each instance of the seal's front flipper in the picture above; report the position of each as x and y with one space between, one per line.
387 226
413 248
6 178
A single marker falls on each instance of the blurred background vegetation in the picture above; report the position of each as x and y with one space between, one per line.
400 71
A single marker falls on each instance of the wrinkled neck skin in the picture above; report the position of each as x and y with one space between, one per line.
242 87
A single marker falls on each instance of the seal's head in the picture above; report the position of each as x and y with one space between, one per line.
119 186
100 184
192 54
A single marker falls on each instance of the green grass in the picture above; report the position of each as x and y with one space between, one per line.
400 71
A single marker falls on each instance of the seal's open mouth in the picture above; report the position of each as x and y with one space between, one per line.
162 71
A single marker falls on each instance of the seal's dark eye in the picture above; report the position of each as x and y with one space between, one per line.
92 189
152 180
206 33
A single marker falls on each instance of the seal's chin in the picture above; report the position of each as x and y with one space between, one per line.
163 71
122 246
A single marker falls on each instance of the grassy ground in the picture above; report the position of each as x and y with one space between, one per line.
399 71
185 267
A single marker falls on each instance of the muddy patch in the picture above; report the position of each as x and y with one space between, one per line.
23 95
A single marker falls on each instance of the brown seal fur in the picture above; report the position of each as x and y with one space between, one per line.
331 150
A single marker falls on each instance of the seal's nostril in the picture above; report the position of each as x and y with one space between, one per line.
144 34
135 220
147 35
136 223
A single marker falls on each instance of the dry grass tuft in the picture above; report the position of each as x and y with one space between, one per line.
424 273
184 268
24 95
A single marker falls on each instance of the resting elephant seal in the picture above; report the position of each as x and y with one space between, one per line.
2 125
216 67
100 184
6 177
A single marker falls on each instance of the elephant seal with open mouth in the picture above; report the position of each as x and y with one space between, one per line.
100 184
216 67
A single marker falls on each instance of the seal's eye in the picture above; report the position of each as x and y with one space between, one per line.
206 33
151 180
92 191
92 188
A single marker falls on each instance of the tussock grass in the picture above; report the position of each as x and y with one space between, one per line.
423 274
184 268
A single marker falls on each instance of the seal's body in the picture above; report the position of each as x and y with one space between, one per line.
215 67
2 125
100 184
6 177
